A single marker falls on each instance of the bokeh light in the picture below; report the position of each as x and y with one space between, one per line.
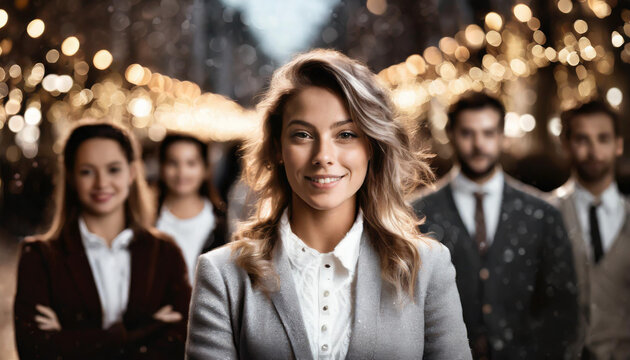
102 59
35 28
70 46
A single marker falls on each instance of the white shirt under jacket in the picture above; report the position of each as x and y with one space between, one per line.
111 269
463 194
610 215
323 283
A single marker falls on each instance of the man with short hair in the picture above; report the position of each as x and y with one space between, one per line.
510 249
597 217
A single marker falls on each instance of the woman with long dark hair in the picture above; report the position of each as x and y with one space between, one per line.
190 208
101 284
332 265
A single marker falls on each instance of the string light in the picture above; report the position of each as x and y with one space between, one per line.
70 46
102 59
35 28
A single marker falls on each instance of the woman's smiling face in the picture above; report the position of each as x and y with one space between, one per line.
324 153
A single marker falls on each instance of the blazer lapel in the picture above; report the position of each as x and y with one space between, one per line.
465 243
367 300
575 231
81 272
456 216
499 235
144 254
285 301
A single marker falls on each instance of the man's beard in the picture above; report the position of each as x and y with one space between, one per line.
472 174
591 171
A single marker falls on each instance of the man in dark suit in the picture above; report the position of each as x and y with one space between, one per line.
513 259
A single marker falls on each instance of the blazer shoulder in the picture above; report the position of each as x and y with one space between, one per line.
223 259
528 199
433 254
431 199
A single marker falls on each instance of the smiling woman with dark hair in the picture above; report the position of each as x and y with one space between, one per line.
102 284
332 264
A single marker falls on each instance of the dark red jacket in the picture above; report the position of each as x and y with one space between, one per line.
56 273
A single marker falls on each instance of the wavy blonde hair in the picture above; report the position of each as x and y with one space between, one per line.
395 170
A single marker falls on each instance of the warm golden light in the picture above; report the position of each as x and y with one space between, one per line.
134 74
474 35
522 12
35 28
415 64
102 59
550 53
573 59
580 26
432 55
377 7
493 38
600 8
539 37
448 45
494 21
4 18
614 96
462 54
616 39
52 56
70 46
565 6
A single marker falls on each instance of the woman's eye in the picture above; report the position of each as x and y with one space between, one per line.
347 135
114 170
301 135
84 172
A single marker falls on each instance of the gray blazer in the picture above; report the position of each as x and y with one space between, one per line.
230 319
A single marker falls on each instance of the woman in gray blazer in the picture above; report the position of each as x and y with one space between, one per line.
332 265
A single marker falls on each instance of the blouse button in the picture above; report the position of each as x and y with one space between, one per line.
324 347
327 266
324 328
325 307
326 293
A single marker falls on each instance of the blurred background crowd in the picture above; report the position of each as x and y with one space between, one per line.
197 66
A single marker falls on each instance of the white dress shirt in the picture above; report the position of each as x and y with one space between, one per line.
610 215
323 283
111 269
190 234
463 194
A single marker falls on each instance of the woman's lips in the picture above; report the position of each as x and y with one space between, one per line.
101 198
324 181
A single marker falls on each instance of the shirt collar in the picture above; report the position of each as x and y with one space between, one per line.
493 186
91 240
300 254
610 199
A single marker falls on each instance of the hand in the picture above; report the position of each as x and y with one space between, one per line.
167 314
47 320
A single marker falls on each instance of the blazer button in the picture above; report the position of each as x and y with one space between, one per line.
484 274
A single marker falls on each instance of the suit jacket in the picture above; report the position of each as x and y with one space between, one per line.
604 288
230 319
524 301
56 273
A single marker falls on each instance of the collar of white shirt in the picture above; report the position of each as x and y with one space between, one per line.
300 254
611 200
494 185
91 240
